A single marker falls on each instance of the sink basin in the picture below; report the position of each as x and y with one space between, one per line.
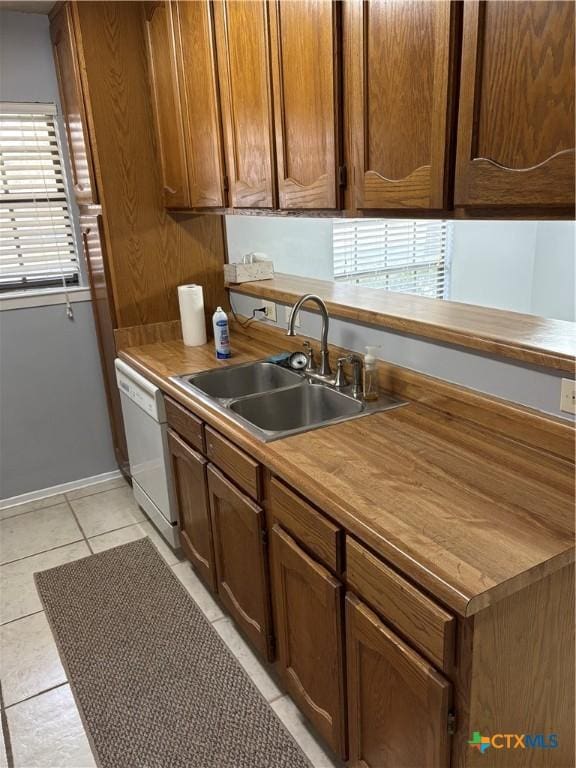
245 379
296 409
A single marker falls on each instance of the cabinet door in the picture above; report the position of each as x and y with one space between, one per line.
398 704
308 610
73 112
166 104
242 35
191 484
399 60
196 57
240 550
105 322
305 60
516 115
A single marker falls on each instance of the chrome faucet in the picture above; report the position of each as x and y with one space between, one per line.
325 369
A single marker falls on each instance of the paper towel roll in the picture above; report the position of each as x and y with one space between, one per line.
191 302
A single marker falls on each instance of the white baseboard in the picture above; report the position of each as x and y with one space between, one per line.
56 489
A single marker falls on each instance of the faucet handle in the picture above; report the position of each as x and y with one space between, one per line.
340 380
309 352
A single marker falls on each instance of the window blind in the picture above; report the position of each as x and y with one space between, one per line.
37 244
404 255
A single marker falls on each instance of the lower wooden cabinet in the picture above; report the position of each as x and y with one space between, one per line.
398 705
190 480
241 557
308 603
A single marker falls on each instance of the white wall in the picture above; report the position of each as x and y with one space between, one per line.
492 263
554 278
54 424
298 246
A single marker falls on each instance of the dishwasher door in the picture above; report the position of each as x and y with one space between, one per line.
148 453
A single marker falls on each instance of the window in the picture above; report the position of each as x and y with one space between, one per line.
37 243
404 255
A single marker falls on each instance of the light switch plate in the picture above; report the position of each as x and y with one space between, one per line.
270 307
568 396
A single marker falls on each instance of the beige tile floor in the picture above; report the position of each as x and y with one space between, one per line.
40 722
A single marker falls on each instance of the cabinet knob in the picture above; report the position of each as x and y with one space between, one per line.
79 187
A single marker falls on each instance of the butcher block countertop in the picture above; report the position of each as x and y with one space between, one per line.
468 515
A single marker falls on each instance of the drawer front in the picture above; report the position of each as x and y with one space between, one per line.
185 424
426 625
239 467
317 534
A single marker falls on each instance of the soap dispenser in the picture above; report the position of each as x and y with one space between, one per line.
370 388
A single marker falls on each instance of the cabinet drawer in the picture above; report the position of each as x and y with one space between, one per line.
427 626
185 424
317 534
235 463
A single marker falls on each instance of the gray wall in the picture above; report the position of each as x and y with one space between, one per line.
53 419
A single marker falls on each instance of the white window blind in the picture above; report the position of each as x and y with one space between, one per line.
37 244
404 255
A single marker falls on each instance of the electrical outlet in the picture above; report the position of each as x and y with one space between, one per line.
288 312
270 310
568 396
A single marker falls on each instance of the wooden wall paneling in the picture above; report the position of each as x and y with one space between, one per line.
196 57
166 104
305 42
399 60
243 43
516 135
150 251
105 321
521 673
72 103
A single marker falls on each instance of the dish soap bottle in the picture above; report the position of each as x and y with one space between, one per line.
370 388
221 334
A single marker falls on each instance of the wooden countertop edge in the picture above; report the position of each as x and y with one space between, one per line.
484 342
463 604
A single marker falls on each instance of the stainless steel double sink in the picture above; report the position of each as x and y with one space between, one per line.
273 401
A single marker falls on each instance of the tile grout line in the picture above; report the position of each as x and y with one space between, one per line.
25 616
35 695
29 511
6 731
42 552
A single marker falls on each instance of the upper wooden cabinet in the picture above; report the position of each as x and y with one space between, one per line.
73 111
166 104
399 60
516 119
197 76
242 34
305 67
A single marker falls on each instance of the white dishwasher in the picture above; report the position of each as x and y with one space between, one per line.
147 438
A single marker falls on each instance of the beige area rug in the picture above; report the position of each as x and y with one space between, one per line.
155 684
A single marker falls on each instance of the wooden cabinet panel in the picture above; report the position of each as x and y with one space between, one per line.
166 104
398 705
399 59
242 34
426 625
105 322
243 469
308 609
305 60
196 57
187 425
241 559
189 470
317 534
516 117
73 111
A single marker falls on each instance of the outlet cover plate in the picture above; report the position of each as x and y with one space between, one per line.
270 310
568 396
